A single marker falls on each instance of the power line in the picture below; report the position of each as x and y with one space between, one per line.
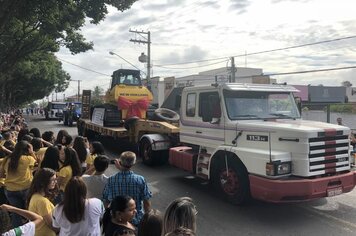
265 51
313 71
81 67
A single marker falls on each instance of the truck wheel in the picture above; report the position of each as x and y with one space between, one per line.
232 183
146 152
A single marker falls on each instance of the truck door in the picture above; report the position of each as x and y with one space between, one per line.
196 130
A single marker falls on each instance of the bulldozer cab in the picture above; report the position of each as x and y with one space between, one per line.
126 77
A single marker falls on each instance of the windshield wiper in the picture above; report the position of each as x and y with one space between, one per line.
246 116
281 115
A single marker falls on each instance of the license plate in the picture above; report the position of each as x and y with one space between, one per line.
334 191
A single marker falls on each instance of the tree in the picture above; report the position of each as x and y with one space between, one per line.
346 83
33 79
29 28
96 96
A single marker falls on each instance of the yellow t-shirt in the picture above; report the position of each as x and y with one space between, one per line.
40 154
2 180
90 159
67 173
42 206
21 178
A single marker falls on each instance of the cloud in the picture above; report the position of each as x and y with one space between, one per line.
239 5
279 1
192 53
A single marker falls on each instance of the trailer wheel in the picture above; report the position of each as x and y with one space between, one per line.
146 152
233 182
150 157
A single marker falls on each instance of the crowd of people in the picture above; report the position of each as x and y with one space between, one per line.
56 185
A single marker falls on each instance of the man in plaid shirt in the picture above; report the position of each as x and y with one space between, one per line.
126 182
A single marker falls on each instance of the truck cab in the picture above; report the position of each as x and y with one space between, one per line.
250 140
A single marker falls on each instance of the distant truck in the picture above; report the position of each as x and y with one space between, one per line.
54 110
248 140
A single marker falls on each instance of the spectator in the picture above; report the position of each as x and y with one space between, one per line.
81 146
126 182
95 183
17 170
117 218
339 121
180 213
60 135
181 231
26 229
36 133
151 224
43 189
67 140
77 215
51 158
38 149
27 138
48 136
95 148
22 133
70 167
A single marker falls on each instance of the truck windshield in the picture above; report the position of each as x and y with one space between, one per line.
243 105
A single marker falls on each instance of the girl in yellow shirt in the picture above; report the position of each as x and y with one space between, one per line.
43 189
71 166
17 170
96 148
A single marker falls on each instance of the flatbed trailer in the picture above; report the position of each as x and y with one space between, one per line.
137 128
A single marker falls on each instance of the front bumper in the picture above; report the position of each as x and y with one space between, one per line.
294 190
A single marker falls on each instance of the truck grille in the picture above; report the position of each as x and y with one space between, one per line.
329 153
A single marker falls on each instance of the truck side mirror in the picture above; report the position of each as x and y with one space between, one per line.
207 114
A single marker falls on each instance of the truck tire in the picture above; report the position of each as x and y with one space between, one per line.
146 152
232 184
167 115
150 157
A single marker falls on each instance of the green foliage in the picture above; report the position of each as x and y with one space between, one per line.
97 96
343 108
33 79
31 31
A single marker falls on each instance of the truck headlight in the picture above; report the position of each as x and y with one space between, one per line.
278 168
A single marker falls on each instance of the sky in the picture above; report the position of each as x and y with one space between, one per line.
209 32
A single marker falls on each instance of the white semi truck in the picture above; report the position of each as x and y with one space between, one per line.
249 140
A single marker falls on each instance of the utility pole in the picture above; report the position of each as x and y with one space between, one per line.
233 70
148 42
78 96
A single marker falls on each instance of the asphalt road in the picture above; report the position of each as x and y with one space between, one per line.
329 216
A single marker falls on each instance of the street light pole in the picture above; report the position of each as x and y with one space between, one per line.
113 53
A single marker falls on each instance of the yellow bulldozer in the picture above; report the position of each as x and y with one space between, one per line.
126 98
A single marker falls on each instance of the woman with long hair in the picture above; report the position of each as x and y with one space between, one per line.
69 168
77 215
81 147
96 148
41 194
60 136
51 158
181 213
118 216
17 170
